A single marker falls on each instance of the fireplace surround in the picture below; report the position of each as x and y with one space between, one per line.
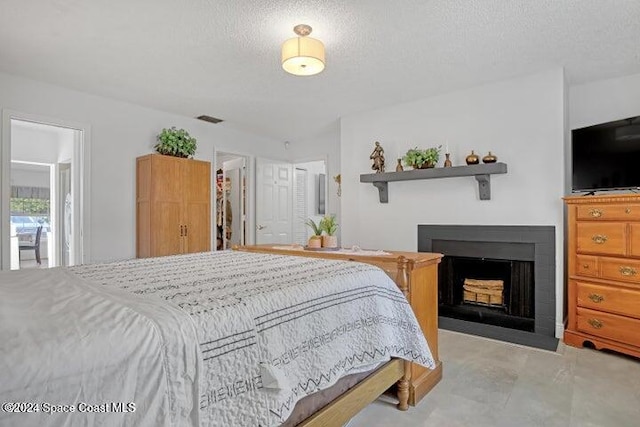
522 257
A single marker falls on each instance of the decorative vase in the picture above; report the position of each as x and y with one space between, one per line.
329 241
489 158
447 160
472 159
399 167
315 242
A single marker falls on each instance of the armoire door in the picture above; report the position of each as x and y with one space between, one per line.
196 211
166 230
167 199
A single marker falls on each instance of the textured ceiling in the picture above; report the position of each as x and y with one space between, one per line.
221 58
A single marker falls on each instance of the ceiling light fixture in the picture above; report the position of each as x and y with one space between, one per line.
303 55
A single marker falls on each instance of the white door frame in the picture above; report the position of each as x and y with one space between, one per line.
250 207
80 184
240 164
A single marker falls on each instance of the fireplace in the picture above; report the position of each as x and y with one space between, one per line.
493 291
496 281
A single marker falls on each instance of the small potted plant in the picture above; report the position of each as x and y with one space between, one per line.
329 225
315 241
422 159
176 142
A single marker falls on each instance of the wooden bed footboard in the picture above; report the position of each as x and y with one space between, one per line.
416 274
345 407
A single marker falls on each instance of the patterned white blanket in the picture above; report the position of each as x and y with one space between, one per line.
273 329
73 353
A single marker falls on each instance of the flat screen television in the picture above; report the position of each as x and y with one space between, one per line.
606 156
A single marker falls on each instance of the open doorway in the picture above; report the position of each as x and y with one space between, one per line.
43 200
231 200
31 232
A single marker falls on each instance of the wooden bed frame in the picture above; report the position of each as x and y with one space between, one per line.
416 274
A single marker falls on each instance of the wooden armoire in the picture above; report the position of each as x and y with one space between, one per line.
173 206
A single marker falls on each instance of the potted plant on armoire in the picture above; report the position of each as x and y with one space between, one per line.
173 198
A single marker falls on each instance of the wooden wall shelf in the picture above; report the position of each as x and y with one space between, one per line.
482 174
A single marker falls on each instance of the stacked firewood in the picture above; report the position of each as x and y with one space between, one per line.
485 292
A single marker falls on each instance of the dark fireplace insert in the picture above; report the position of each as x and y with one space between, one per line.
493 291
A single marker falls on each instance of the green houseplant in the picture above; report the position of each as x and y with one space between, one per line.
329 225
176 142
420 159
315 241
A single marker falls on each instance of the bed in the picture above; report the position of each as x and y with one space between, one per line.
226 338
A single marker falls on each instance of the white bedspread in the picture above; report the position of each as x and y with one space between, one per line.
93 348
273 329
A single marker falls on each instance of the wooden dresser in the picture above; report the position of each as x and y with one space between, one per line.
604 272
416 274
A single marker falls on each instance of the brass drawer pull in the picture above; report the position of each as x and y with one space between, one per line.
599 239
596 298
595 213
595 323
627 211
628 271
585 266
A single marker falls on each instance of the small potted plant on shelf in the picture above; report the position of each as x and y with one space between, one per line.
315 241
422 159
329 225
176 142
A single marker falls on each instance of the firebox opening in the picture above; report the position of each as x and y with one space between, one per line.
492 291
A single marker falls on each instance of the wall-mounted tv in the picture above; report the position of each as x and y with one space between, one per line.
606 156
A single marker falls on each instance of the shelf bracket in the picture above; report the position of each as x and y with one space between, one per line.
484 186
383 190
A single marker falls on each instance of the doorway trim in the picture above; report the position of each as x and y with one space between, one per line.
81 180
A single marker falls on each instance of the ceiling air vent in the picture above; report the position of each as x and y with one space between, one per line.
209 119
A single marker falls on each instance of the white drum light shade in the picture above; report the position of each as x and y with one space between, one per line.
303 56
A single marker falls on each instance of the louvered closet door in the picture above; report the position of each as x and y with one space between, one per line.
167 196
300 214
197 206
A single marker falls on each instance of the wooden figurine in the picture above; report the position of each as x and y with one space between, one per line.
378 158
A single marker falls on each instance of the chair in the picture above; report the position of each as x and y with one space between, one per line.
35 246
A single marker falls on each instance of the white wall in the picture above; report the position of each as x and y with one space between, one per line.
33 145
604 101
520 120
120 132
30 178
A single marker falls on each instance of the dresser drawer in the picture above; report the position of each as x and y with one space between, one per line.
617 328
601 238
626 270
634 240
614 212
586 265
608 298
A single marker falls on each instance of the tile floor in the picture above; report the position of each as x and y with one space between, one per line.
31 263
492 383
